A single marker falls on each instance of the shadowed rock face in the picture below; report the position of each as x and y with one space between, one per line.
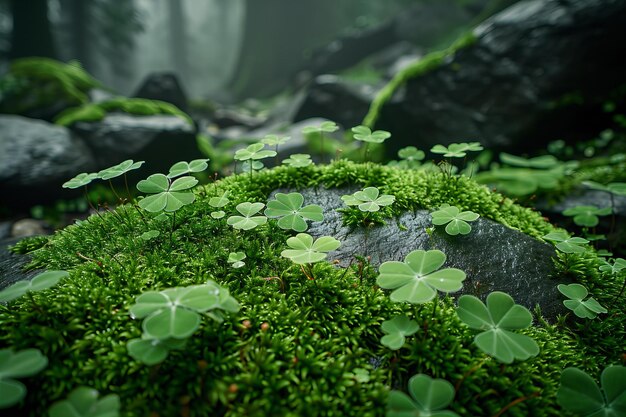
494 257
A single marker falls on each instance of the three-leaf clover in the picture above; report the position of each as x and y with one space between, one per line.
152 351
80 180
288 207
565 243
586 309
182 168
618 265
168 196
253 152
219 202
497 319
538 162
580 394
396 331
119 169
365 134
17 365
247 220
40 282
274 140
306 251
618 188
298 160
84 402
324 127
428 397
235 259
410 157
368 199
417 279
455 219
457 150
587 215
150 234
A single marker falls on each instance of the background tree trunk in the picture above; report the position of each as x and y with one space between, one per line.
31 34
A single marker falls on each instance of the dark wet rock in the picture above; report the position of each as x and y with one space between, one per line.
5 229
225 118
494 257
36 157
12 265
503 90
163 86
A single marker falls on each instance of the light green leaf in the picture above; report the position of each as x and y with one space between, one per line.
298 160
119 169
247 220
580 394
182 168
428 398
455 220
305 251
40 282
220 201
274 140
83 402
587 216
150 234
167 197
368 199
565 243
397 329
253 152
582 308
364 134
288 207
80 180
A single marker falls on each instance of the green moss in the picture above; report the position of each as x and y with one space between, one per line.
29 244
319 331
97 111
425 65
34 83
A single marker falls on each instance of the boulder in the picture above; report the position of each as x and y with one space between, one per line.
164 86
508 89
12 265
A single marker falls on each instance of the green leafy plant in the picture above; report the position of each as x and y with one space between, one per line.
365 134
152 351
40 282
19 364
429 397
538 162
565 243
167 195
182 168
586 309
298 160
84 402
274 140
253 153
288 208
410 157
455 219
580 394
81 180
396 331
618 265
324 127
247 220
368 199
235 259
617 188
457 150
120 169
219 202
587 216
303 250
496 319
417 279
149 235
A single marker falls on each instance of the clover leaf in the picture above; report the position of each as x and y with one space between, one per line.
565 243
247 220
618 265
410 157
274 140
305 251
397 329
368 199
150 234
457 150
327 127
80 180
617 188
218 214
496 319
119 169
428 397
455 219
19 364
288 207
253 152
84 402
417 279
586 309
168 196
580 394
253 166
235 259
539 162
365 134
182 168
298 160
40 282
152 351
587 215
220 201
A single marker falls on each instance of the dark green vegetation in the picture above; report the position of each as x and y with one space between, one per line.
298 346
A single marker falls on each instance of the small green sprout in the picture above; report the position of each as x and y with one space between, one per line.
496 320
274 140
19 364
587 216
120 169
396 331
219 202
153 351
254 166
298 160
324 127
218 214
368 199
457 150
253 153
150 234
247 220
305 251
365 134
580 394
455 219
410 157
586 309
40 282
417 279
167 195
288 207
182 168
235 259
428 397
84 402
81 180
565 243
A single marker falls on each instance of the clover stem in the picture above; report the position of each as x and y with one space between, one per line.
435 302
515 402
119 199
322 158
250 163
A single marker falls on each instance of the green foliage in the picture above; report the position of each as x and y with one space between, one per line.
417 279
586 309
235 259
150 234
565 243
618 265
274 140
84 402
40 282
253 152
457 150
617 188
365 134
80 180
168 196
497 319
368 199
152 351
247 220
119 169
455 219
306 251
324 127
182 168
580 394
220 201
428 397
539 162
298 160
17 365
396 331
587 216
288 208
410 158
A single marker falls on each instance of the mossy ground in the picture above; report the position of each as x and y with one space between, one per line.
318 331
